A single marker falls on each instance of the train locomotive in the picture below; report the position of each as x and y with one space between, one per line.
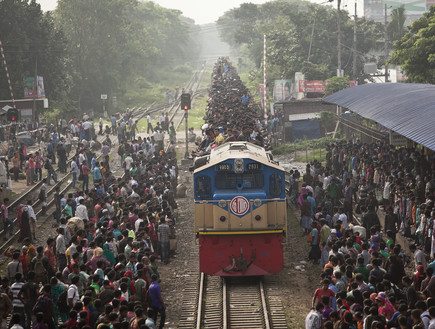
240 211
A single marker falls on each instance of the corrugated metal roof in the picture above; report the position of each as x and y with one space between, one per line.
406 108
303 116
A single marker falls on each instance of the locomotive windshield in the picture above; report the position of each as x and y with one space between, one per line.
203 187
275 184
226 180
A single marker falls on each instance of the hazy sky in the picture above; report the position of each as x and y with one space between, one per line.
202 11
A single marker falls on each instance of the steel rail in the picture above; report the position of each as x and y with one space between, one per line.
199 315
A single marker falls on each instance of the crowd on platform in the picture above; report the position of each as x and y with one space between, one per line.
102 269
369 280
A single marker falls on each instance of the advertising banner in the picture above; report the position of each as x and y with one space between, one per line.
41 90
282 90
29 87
315 86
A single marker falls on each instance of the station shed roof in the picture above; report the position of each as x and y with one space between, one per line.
406 108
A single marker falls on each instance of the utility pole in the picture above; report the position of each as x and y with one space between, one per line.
386 45
311 39
338 39
186 154
35 91
354 45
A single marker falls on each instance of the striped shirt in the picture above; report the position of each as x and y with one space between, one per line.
164 232
15 288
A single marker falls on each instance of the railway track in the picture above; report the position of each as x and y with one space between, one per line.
193 86
64 186
224 303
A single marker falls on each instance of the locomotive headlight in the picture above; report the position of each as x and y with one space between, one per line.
258 218
257 202
238 166
222 203
222 218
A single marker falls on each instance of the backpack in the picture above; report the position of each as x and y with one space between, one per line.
46 165
42 305
40 271
62 302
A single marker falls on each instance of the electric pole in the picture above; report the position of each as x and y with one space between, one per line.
386 45
338 39
354 45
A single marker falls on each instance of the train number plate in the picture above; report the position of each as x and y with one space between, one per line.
253 166
224 167
239 205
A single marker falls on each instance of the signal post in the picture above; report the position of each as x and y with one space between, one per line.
185 105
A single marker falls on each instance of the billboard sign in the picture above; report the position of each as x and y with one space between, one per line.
29 87
316 86
282 90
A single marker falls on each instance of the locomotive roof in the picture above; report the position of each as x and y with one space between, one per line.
237 150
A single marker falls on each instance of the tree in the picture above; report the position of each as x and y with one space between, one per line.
301 36
396 28
30 39
415 52
336 84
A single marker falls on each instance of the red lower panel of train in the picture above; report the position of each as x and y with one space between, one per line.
241 254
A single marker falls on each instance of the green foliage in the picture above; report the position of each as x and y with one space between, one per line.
327 121
51 116
415 51
130 49
301 36
31 39
302 145
336 84
396 27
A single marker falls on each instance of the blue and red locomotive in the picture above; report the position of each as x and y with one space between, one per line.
240 211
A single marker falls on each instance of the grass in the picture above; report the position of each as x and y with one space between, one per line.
206 79
196 114
319 155
302 145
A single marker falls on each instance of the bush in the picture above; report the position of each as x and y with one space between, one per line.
302 145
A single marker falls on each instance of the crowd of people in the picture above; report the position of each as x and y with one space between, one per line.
368 279
101 270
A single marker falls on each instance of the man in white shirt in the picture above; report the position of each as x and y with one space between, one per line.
128 162
314 318
343 218
32 217
419 257
87 128
61 248
73 291
149 125
81 210
138 221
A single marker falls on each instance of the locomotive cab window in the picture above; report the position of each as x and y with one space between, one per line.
275 184
253 180
203 187
225 180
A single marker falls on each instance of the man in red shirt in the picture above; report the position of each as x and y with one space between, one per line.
85 175
49 253
324 291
